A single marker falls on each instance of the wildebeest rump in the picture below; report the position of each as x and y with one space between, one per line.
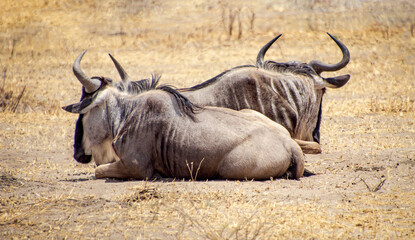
161 131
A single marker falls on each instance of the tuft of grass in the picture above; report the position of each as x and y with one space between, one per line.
7 180
392 105
144 193
9 101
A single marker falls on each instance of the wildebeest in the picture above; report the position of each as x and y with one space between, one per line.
289 93
160 131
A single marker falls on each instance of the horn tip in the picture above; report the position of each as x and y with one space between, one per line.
83 52
67 108
112 57
80 56
331 36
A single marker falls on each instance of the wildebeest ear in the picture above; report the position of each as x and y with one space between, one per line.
78 107
336 82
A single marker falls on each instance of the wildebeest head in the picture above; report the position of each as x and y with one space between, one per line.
91 88
313 69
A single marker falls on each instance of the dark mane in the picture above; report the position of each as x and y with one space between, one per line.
291 67
212 80
144 85
137 87
186 106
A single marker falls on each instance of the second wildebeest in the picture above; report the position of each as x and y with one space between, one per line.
288 93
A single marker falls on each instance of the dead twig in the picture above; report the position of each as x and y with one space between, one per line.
4 78
251 20
12 51
239 24
232 17
198 168
190 168
14 106
375 188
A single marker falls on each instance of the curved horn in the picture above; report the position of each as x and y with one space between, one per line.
319 66
90 85
123 74
264 49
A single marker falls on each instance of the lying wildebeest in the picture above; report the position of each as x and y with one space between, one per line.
159 131
289 93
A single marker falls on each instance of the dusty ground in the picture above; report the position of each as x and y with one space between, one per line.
364 184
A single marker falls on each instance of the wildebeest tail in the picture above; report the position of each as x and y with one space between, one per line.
296 169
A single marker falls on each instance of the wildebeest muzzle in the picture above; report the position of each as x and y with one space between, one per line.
79 151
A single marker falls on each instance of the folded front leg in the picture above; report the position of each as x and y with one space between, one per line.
309 146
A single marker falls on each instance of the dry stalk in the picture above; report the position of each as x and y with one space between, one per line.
251 20
190 168
383 24
12 51
232 17
228 19
239 24
4 78
374 188
198 168
14 105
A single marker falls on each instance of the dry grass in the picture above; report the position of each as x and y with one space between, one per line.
367 132
209 215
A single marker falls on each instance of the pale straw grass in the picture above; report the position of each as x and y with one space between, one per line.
367 130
